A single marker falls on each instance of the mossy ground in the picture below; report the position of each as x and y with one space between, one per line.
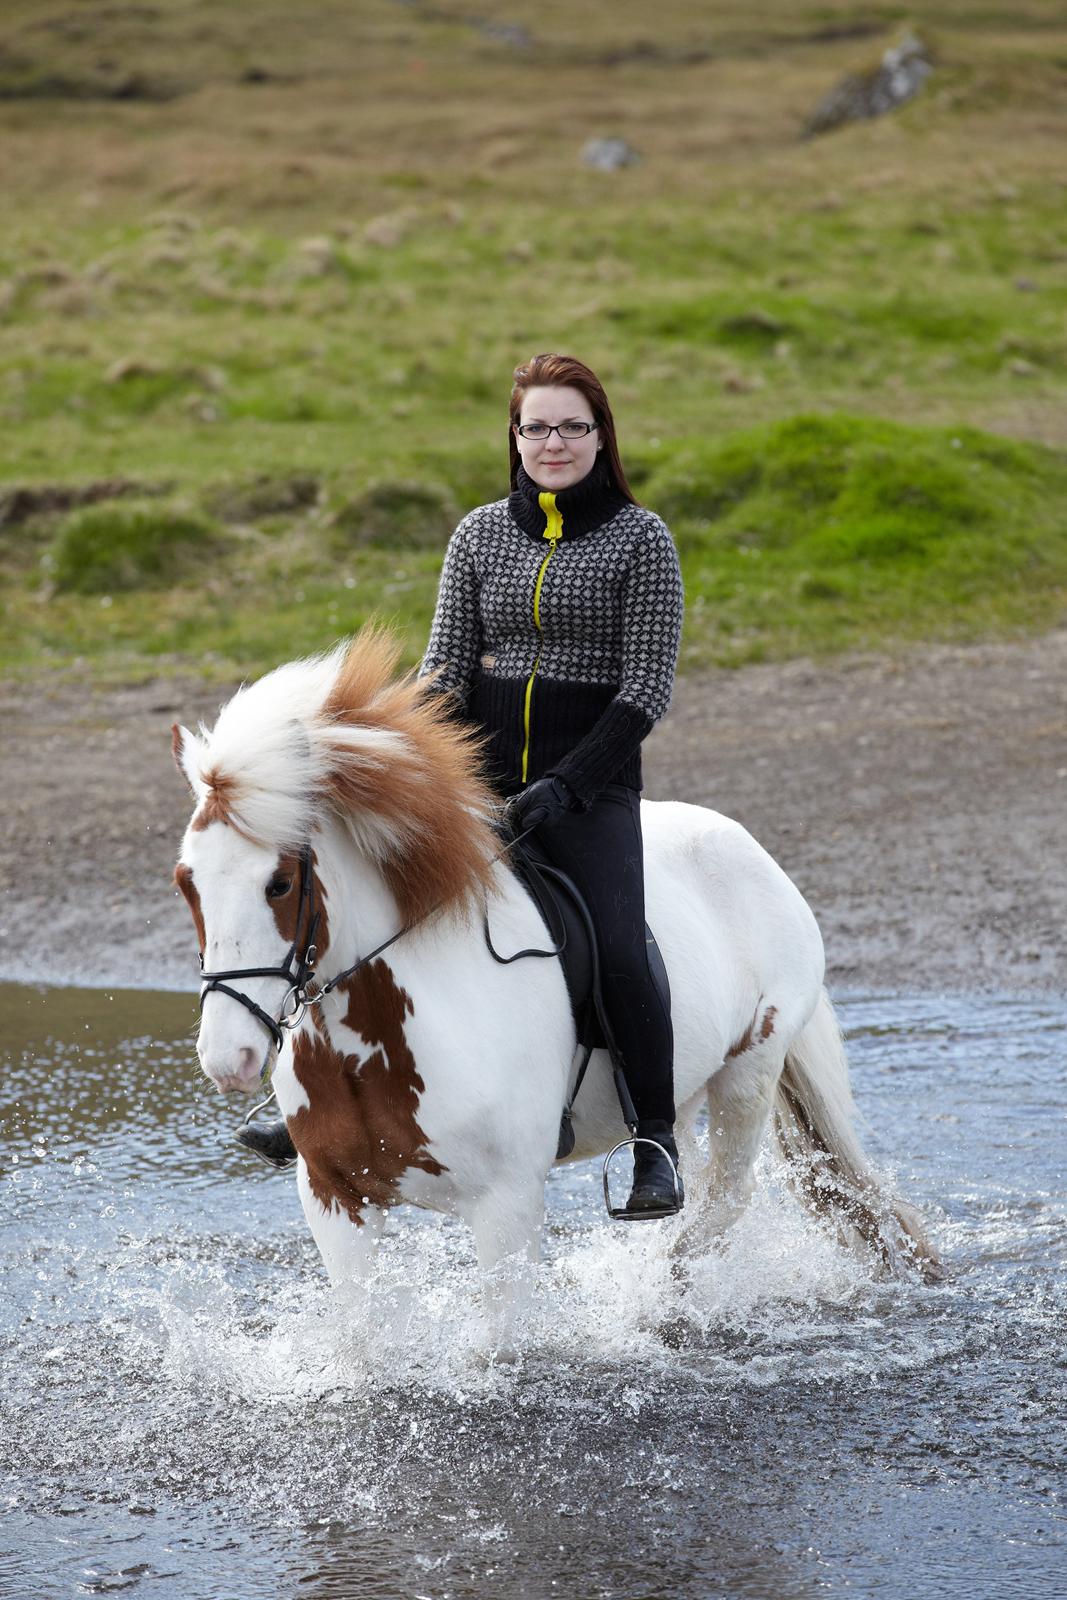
314 255
111 548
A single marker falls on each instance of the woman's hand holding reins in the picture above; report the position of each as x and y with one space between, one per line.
540 805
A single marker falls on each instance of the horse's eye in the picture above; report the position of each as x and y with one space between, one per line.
278 887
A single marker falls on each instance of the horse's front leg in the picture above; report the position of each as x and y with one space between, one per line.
347 1245
506 1222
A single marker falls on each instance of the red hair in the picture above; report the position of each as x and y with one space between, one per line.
564 372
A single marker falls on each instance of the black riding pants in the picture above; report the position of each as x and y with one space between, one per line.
601 849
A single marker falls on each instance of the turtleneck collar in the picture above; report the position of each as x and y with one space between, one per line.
585 506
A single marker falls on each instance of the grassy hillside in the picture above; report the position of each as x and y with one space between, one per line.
266 271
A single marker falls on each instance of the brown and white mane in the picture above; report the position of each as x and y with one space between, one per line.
342 734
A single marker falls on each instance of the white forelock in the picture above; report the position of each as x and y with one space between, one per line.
274 749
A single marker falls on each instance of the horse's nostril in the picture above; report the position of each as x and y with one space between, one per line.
247 1063
235 1071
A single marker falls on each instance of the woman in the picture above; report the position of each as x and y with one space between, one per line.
556 632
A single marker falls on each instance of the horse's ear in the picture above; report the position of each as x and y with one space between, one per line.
183 748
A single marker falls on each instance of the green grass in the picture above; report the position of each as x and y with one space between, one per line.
119 546
814 535
397 516
828 533
298 308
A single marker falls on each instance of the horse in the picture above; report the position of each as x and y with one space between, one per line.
343 846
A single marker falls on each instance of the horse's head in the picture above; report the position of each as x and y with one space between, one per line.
335 746
254 906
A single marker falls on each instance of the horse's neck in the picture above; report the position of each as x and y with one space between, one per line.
361 914
360 911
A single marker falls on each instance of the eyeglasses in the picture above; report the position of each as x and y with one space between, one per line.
566 430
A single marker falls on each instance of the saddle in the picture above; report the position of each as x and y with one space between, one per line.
569 924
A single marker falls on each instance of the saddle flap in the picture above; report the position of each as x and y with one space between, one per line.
568 922
569 926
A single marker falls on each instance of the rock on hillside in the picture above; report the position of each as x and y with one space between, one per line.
898 78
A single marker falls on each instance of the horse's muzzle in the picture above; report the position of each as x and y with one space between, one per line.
240 1072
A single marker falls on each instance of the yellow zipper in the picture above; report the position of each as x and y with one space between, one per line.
553 533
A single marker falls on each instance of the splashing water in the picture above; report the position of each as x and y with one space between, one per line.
188 1411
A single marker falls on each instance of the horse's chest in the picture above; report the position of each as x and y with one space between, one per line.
360 1133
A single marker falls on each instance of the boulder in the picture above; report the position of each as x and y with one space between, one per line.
608 155
899 76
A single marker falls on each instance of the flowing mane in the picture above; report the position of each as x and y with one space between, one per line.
341 734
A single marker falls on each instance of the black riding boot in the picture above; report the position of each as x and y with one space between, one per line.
654 1189
269 1141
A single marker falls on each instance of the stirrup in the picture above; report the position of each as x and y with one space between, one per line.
261 1105
620 1213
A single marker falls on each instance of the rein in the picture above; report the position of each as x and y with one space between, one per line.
299 998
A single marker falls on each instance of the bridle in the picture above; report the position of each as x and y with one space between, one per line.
297 976
298 966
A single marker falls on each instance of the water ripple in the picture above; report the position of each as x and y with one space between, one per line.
186 1410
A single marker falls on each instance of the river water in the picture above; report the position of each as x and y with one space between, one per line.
187 1413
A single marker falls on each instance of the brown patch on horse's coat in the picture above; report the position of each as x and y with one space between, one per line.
360 1133
748 1038
427 788
183 878
218 803
742 1044
286 910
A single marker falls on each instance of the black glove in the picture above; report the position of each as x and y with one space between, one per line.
539 805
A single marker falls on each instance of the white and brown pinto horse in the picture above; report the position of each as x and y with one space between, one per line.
435 1076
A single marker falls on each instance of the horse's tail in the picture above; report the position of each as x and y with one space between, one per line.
815 1126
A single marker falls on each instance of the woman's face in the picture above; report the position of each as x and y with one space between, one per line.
556 463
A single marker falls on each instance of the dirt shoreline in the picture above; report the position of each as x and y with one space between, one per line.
918 801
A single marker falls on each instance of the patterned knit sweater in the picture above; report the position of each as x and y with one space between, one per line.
556 631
